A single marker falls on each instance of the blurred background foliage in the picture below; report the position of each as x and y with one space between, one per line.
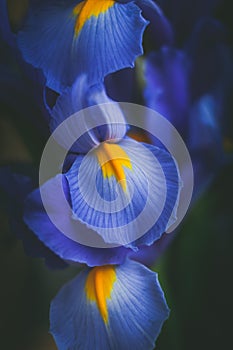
195 271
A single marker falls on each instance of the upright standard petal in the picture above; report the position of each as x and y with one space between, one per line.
66 39
125 191
122 307
107 115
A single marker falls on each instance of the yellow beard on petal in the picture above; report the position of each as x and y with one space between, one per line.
112 159
99 286
89 8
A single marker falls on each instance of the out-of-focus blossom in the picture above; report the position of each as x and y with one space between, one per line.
188 87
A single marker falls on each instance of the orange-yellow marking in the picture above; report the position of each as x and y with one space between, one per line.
112 159
99 286
88 8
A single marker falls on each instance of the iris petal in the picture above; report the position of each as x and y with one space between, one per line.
104 43
39 222
132 195
135 304
107 114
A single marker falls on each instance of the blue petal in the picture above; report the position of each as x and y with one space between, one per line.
109 117
160 30
38 221
140 211
106 43
136 308
167 86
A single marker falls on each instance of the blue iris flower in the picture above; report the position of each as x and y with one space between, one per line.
154 169
76 43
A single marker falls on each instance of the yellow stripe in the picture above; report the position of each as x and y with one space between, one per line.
88 8
112 159
99 286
